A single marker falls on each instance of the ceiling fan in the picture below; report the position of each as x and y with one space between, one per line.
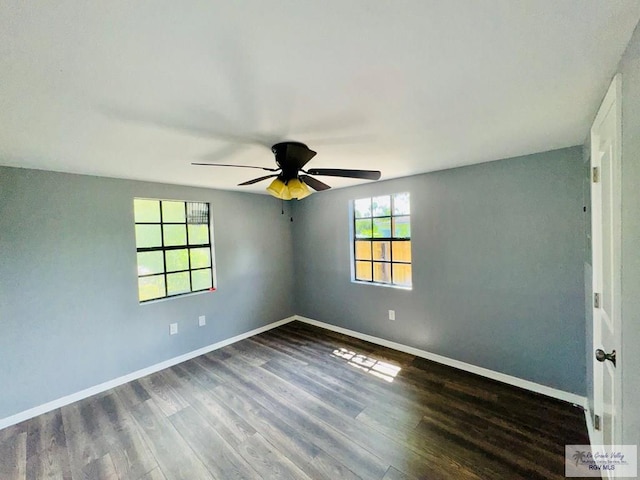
291 179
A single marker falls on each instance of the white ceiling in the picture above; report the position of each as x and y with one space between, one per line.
139 89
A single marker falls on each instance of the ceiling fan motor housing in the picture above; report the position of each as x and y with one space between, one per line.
291 157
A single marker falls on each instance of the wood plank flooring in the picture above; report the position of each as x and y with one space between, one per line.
299 402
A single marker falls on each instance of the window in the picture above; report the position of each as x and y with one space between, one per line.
173 241
382 240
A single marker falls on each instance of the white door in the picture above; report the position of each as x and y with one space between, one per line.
606 237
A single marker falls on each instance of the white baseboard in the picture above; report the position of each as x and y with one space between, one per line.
88 392
485 372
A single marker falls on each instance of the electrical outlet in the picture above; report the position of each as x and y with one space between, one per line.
173 329
202 320
392 314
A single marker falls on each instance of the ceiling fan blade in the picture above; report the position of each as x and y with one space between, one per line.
256 180
200 129
339 172
239 166
343 140
224 153
337 122
314 183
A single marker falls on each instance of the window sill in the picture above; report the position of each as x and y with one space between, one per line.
165 299
385 285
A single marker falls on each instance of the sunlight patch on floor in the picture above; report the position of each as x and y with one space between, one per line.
378 368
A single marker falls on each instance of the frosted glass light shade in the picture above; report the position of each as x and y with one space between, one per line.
298 189
294 188
279 189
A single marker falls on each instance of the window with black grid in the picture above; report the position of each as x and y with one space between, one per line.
382 239
173 242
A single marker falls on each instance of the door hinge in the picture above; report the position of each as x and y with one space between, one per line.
596 300
595 174
596 422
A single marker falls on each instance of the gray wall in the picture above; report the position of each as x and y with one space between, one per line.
498 266
497 283
69 313
630 351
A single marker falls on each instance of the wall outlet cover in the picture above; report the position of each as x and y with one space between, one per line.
392 314
173 329
202 320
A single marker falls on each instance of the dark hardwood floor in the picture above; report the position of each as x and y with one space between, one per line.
299 402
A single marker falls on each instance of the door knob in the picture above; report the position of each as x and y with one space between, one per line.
601 356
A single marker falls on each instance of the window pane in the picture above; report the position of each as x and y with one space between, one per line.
150 262
379 257
200 257
178 283
175 235
173 211
363 271
401 204
198 234
382 251
151 287
201 279
198 213
382 227
146 210
401 227
402 274
401 251
168 228
363 228
381 206
382 272
363 250
177 260
148 236
362 208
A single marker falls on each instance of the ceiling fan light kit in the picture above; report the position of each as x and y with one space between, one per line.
291 157
279 189
296 188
